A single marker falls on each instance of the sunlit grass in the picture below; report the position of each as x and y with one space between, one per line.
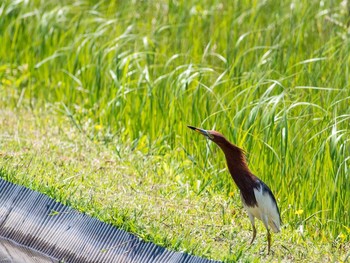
273 77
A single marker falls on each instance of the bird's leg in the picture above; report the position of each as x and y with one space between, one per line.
251 217
268 241
265 221
254 235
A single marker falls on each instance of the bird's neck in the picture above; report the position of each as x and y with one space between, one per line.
237 165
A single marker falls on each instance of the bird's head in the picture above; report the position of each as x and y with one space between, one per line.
214 136
232 152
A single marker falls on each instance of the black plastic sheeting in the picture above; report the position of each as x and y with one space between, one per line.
44 230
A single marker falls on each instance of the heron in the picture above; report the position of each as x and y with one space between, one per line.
257 198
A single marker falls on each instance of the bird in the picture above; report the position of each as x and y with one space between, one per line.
257 198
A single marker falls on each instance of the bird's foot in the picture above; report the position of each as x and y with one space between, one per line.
270 252
262 252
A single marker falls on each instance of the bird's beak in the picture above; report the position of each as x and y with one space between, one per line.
201 131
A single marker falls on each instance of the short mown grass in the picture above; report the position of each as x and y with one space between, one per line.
95 98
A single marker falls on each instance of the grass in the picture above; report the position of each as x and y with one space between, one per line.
96 97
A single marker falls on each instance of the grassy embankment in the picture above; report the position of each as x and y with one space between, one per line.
95 99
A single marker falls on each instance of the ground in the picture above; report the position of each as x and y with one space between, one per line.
127 188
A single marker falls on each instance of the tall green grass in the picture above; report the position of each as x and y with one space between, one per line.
272 76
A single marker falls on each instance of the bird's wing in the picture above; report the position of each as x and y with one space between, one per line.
268 206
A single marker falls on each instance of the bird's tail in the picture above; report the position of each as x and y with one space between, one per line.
275 226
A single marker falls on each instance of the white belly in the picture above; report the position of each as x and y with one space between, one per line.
265 210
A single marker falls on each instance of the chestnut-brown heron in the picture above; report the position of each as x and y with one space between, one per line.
256 196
